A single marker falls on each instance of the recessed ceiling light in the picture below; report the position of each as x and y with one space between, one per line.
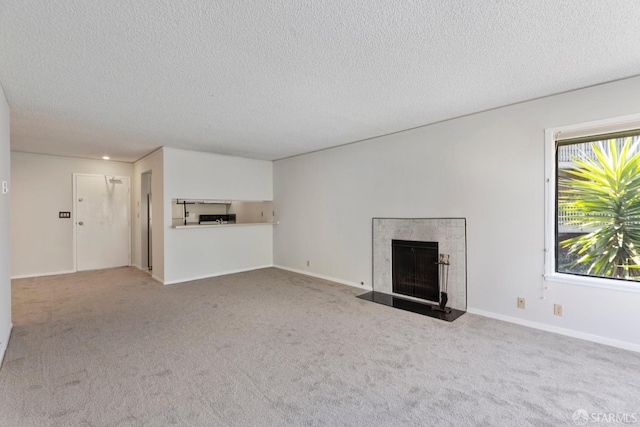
106 157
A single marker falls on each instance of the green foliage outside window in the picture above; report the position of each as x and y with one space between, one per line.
603 193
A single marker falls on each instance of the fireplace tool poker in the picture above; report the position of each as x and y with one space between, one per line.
443 266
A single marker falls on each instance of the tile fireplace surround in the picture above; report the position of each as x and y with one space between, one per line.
451 235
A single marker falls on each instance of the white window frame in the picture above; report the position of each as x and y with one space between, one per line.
551 136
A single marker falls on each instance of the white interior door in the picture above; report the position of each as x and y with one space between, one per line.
102 218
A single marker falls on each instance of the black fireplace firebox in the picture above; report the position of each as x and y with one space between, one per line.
415 269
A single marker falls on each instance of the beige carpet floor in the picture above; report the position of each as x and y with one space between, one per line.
273 348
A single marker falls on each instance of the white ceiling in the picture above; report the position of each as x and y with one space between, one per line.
278 78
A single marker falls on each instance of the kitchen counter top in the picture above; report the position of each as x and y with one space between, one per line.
224 225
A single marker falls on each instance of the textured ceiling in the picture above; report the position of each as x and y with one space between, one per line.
278 78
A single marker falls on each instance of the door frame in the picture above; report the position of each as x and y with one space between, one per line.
146 231
75 212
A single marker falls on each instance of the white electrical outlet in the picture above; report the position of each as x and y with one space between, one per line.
522 303
558 310
5 187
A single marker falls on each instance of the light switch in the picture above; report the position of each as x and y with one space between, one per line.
5 187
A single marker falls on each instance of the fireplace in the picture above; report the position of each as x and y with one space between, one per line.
420 265
415 271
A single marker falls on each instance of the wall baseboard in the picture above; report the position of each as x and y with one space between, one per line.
54 273
561 331
222 273
322 276
4 343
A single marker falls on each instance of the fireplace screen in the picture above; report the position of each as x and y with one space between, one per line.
415 269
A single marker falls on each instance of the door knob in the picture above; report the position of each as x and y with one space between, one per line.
80 223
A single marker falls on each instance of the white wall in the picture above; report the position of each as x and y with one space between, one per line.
152 163
196 253
42 243
489 168
5 255
197 175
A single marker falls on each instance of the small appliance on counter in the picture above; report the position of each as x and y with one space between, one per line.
217 219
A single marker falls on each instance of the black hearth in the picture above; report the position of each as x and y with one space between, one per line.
410 305
415 269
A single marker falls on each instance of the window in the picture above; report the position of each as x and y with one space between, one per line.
593 204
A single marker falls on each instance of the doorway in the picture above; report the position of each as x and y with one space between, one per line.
102 229
146 223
